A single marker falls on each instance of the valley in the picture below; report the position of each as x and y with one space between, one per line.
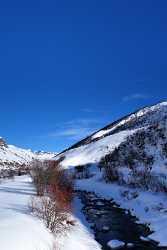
118 176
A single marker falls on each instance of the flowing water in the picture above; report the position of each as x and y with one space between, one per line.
109 222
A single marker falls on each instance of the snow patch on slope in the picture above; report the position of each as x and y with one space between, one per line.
158 107
93 152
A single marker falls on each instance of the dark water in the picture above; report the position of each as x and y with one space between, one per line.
109 221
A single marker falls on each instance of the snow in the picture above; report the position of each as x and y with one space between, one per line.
78 238
130 245
93 152
15 154
146 239
115 244
11 157
27 232
140 113
18 229
44 155
81 237
101 133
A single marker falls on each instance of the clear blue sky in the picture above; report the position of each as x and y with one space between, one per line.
70 67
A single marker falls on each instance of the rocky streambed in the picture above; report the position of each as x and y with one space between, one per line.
110 222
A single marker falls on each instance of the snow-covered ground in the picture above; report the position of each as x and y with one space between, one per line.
148 207
19 230
78 238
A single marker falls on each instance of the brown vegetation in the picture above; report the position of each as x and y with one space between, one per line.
55 190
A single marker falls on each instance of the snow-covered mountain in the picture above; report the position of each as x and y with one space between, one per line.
13 158
42 155
127 148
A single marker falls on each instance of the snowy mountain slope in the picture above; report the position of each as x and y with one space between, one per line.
42 155
103 142
12 157
93 152
140 118
131 166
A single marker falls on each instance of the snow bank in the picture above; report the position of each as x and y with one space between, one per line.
78 238
115 244
18 229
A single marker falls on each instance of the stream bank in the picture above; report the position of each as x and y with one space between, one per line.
109 222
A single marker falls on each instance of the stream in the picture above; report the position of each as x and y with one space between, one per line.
109 221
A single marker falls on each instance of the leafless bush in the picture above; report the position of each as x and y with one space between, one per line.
38 176
147 180
50 179
46 209
60 187
82 171
55 193
111 174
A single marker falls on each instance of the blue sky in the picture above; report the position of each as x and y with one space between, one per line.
68 68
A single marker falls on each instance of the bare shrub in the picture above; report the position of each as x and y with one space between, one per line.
111 173
60 187
38 176
50 179
149 181
55 193
47 210
82 171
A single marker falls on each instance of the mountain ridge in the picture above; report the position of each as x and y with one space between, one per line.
14 158
86 139
104 141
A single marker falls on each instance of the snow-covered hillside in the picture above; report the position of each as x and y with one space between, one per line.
131 151
149 122
94 151
42 155
127 161
12 157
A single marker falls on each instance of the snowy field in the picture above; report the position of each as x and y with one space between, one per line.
18 229
21 231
